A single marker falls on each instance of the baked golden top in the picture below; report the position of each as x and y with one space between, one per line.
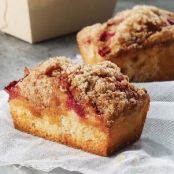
100 86
134 28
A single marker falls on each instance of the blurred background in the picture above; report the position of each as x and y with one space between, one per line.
15 54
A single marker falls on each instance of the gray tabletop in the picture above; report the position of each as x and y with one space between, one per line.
16 54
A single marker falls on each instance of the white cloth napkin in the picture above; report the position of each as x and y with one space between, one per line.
152 154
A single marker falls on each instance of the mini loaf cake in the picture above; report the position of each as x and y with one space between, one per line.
140 41
91 107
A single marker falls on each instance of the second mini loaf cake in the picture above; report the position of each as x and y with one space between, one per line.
140 41
91 107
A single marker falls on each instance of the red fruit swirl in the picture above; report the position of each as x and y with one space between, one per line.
105 36
104 51
170 21
72 104
12 90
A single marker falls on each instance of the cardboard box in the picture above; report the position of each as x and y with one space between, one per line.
37 20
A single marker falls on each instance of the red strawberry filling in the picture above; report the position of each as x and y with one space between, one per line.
105 36
12 90
120 78
64 82
104 51
170 21
72 104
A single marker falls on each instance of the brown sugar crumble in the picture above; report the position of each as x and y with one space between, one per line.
101 86
133 28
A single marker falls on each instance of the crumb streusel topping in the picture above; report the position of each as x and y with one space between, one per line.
101 86
134 28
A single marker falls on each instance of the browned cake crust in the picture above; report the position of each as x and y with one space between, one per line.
91 107
140 41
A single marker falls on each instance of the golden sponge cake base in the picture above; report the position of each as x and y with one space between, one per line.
68 128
